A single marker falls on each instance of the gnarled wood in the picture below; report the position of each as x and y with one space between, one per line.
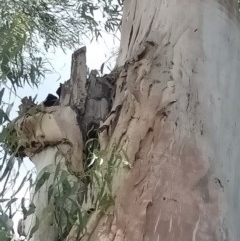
49 135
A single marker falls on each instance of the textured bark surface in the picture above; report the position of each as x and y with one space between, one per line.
174 113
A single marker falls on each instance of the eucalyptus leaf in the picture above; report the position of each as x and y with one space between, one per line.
1 94
40 182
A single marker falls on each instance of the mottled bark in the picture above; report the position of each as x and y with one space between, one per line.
175 114
177 118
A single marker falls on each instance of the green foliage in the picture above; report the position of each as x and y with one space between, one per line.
66 195
6 226
4 236
29 28
113 10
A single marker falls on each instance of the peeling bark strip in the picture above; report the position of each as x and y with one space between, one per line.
169 114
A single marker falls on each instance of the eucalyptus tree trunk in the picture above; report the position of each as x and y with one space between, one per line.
175 114
178 93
